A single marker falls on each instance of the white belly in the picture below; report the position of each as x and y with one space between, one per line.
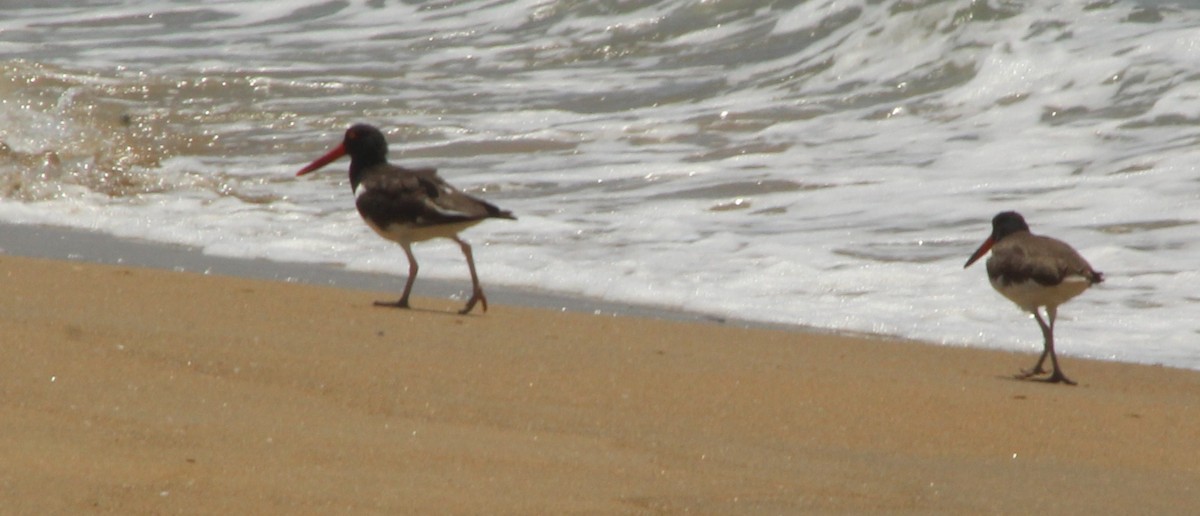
1029 294
408 233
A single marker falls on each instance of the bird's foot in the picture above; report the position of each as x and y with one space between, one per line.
403 303
476 297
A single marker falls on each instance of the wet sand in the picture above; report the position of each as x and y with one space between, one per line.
130 390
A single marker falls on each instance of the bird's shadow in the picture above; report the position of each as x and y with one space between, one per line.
387 305
1044 381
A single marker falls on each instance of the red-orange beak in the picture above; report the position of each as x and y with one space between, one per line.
983 249
328 158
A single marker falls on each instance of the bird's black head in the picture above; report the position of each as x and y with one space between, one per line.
365 144
1003 224
1006 223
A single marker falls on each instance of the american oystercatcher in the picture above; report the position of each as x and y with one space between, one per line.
408 205
1034 271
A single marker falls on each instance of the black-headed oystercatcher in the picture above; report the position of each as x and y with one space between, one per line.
1034 271
408 205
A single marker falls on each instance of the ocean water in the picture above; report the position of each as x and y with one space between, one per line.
821 163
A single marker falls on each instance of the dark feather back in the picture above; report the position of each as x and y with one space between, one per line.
1024 256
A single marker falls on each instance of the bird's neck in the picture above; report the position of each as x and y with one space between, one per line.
359 166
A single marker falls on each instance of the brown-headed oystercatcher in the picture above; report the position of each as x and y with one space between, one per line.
1033 271
408 205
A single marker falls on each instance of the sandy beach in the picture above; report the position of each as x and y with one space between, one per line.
140 391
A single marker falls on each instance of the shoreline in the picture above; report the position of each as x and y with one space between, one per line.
134 390
59 243
76 245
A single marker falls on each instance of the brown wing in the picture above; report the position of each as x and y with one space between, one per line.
418 197
449 199
1024 256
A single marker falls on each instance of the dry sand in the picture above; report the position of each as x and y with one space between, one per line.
137 391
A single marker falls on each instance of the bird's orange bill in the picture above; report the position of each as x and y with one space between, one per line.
328 158
983 249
